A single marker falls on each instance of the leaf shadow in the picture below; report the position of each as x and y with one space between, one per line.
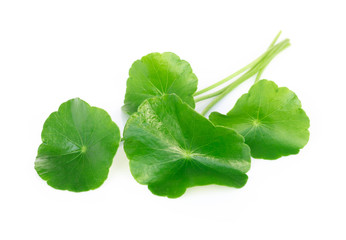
120 162
209 190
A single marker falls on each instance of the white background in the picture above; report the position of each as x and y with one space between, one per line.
51 51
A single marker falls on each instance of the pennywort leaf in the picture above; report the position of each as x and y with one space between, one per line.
78 146
157 74
171 147
271 120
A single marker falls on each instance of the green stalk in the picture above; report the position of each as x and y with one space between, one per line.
229 77
229 88
253 63
210 95
275 40
198 99
270 54
259 74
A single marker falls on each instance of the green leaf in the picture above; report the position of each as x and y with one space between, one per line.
78 146
171 147
271 120
158 74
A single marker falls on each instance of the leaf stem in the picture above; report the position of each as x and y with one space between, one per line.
263 56
259 74
228 89
274 40
250 65
269 55
229 77
210 95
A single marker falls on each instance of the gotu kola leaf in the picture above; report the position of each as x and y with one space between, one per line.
158 74
172 147
271 120
78 146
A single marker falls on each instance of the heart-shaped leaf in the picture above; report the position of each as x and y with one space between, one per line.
158 74
172 147
78 146
271 120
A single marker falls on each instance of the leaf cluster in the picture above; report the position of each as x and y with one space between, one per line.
170 146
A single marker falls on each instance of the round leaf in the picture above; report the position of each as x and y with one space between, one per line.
157 74
78 146
171 147
271 120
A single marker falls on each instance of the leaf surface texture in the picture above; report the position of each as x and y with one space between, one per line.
271 120
78 146
157 74
171 147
